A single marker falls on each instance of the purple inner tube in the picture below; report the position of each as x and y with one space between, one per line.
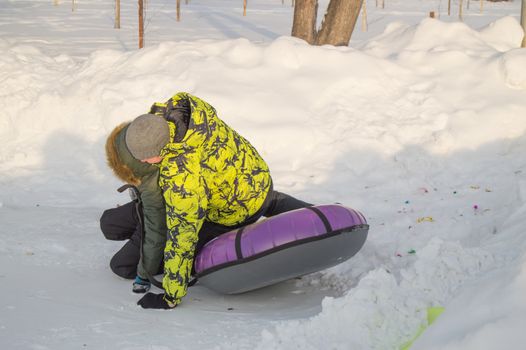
277 232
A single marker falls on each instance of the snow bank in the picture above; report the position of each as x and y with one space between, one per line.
383 103
423 129
489 311
386 306
513 75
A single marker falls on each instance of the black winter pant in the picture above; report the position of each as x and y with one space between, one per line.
121 223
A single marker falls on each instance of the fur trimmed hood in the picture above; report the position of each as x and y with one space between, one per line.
114 150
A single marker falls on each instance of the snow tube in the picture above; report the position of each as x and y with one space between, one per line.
281 247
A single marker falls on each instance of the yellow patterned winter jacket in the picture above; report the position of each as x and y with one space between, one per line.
209 172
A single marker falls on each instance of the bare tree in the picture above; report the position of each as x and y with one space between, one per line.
141 24
523 22
337 26
117 14
364 16
178 10
304 22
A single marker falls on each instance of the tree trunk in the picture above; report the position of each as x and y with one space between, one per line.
338 24
117 14
449 7
364 16
460 9
178 10
304 23
244 7
523 22
141 24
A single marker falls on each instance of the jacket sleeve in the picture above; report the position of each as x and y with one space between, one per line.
154 225
186 202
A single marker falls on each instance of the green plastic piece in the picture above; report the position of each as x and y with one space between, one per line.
432 315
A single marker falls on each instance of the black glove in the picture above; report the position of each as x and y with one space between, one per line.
155 301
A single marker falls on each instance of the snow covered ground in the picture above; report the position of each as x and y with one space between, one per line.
420 124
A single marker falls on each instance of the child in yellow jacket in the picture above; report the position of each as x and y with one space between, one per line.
207 173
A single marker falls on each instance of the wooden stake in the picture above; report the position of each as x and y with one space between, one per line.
364 16
141 24
117 14
244 7
178 10
523 22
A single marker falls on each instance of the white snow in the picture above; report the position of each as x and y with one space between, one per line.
419 123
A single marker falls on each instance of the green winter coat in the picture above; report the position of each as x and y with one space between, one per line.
146 178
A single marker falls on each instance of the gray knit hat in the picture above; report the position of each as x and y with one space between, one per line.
147 135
